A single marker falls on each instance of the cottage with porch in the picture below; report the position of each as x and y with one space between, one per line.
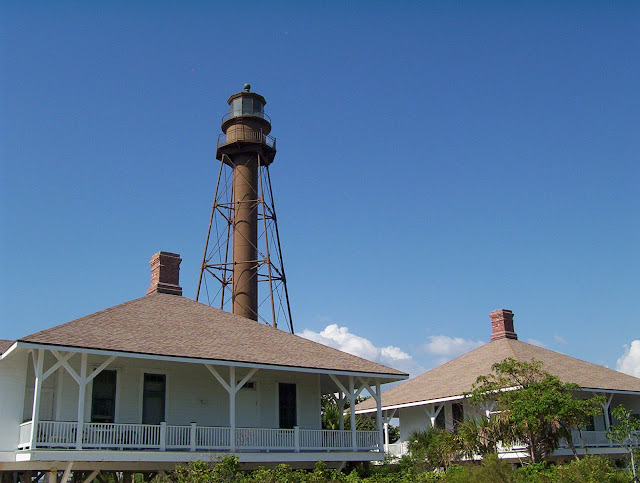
436 399
162 380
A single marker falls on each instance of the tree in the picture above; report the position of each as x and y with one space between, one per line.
482 436
538 408
438 447
330 413
626 432
331 418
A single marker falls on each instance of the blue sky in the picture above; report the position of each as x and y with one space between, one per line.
436 161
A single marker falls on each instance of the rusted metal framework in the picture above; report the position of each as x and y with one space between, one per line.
242 250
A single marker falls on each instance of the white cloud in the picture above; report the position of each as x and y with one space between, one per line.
629 363
536 342
559 339
443 345
340 338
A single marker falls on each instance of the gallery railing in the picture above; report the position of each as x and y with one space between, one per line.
163 437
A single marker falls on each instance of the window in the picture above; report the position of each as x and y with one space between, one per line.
236 107
591 425
103 398
457 412
258 107
153 398
287 405
247 105
440 423
244 106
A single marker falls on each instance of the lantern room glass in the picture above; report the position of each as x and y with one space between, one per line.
246 106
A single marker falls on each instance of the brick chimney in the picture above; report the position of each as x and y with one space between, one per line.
502 325
165 273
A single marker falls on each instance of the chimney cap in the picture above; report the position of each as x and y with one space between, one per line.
502 325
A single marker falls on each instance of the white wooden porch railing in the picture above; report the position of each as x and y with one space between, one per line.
263 438
592 439
397 449
162 437
211 438
25 435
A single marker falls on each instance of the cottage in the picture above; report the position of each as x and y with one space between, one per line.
436 398
162 379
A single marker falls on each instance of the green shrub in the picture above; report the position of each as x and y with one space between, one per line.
440 448
535 473
196 472
590 469
492 470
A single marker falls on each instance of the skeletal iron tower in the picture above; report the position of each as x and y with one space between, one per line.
243 220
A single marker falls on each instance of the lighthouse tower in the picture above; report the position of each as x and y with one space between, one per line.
243 246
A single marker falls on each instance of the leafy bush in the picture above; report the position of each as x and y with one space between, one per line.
591 469
439 446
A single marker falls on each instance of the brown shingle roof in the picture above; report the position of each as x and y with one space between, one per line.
4 345
455 377
170 325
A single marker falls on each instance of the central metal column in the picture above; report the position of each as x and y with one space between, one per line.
245 236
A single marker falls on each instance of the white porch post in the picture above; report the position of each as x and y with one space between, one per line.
163 435
378 397
387 419
432 413
59 386
296 438
352 413
232 407
82 386
37 389
341 400
82 379
192 436
605 409
232 388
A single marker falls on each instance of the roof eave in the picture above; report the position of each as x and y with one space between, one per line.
9 350
611 391
412 404
196 360
462 396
